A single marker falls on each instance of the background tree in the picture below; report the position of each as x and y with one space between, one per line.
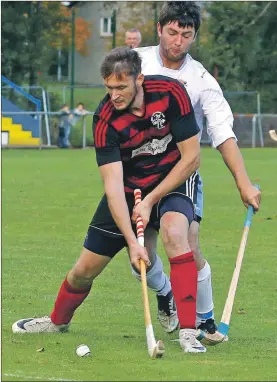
241 42
30 32
63 36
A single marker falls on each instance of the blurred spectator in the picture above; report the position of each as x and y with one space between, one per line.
80 109
78 112
133 38
64 127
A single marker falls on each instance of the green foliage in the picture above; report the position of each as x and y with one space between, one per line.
28 31
242 38
55 99
76 133
76 136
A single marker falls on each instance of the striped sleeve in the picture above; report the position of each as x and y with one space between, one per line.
183 122
106 141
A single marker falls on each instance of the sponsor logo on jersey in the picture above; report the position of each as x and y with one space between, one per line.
158 120
156 146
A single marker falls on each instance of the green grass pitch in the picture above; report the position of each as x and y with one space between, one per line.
48 198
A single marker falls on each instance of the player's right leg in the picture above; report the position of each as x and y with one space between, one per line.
73 291
101 244
205 315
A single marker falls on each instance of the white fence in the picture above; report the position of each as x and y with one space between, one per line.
252 130
256 126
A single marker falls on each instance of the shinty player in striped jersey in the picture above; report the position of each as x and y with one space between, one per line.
146 137
179 22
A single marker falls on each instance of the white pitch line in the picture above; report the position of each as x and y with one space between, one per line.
41 378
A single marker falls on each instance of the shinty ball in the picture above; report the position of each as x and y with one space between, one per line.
83 350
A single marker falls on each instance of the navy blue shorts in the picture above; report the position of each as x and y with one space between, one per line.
104 237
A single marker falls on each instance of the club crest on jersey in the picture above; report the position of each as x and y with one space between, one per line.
158 120
156 146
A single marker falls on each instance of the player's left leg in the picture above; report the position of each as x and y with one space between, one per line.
176 214
159 282
204 306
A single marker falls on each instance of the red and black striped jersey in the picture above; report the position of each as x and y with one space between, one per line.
147 145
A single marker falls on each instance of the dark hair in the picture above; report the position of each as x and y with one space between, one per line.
187 13
80 104
121 60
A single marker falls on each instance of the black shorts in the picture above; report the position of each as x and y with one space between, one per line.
104 237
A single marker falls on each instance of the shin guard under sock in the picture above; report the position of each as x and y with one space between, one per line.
183 278
67 302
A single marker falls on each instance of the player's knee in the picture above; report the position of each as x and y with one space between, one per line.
81 276
172 235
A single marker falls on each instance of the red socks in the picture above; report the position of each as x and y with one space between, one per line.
67 302
183 278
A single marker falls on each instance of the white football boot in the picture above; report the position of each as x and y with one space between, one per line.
38 325
189 343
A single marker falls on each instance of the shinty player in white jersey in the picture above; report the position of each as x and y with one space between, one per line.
178 24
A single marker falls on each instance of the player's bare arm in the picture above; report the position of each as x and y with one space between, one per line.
233 159
187 165
112 175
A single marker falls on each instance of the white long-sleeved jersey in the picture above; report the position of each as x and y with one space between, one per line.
205 93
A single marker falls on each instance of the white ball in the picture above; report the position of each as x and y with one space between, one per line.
83 350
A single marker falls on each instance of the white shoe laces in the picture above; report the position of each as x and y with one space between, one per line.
41 324
189 336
